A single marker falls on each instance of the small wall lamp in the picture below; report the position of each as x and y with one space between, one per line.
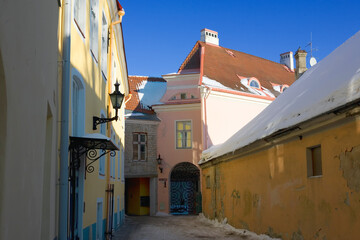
159 159
116 100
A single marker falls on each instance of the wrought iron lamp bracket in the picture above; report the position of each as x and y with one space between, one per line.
92 156
91 153
97 120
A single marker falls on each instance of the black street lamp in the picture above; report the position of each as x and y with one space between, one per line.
116 99
159 159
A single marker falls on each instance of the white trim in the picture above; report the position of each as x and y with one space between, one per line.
181 77
238 97
177 107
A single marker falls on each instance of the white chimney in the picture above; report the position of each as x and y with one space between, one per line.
287 59
209 36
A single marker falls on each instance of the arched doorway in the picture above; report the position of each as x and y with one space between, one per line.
184 188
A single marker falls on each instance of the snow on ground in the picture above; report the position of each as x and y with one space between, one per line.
329 84
228 228
150 92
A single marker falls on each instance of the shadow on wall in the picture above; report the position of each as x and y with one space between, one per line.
3 120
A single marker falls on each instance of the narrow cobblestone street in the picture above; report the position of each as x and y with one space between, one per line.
177 228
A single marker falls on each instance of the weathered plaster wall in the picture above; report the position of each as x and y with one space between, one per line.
269 191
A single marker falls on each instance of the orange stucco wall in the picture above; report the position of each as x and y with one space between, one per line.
269 191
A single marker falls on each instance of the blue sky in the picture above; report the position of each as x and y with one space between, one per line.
160 34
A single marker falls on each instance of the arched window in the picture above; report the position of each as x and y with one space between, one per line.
254 83
77 104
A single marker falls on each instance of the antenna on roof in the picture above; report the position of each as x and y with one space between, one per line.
312 59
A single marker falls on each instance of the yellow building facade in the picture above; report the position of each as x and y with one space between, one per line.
268 191
92 36
294 171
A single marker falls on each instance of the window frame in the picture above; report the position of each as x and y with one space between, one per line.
94 43
314 161
139 143
81 26
104 46
176 134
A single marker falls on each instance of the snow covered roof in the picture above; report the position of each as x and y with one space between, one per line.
231 68
146 91
332 83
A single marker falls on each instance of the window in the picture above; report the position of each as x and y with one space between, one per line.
183 134
118 155
102 159
183 96
314 165
104 45
94 28
254 83
208 184
112 158
79 15
139 146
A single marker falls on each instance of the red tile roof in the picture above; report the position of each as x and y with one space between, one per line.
228 66
134 103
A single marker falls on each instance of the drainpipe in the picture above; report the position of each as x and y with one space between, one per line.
64 138
109 209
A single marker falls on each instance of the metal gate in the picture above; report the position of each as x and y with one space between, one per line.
184 188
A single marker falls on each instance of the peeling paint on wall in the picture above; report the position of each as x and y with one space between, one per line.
350 165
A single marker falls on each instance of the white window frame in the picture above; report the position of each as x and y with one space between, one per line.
139 143
104 45
102 164
79 19
176 134
94 29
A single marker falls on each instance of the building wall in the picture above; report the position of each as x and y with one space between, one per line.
141 168
269 191
88 69
227 113
167 148
28 104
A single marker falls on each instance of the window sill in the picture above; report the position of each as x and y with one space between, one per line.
317 176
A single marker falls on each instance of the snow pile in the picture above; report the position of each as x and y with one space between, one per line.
213 83
241 232
329 84
150 92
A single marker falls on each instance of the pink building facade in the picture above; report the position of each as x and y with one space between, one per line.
215 92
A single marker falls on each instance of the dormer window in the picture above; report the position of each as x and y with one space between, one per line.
283 87
183 96
254 83
173 97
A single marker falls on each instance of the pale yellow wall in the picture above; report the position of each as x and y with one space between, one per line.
97 100
269 191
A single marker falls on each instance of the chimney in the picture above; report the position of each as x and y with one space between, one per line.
300 57
287 59
209 36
